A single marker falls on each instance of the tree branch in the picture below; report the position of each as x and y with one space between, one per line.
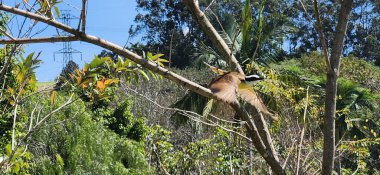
321 35
213 35
40 40
38 17
6 34
83 15
116 48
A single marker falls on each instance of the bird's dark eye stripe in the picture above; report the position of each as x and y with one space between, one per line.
253 78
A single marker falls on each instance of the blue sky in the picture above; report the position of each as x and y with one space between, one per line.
109 20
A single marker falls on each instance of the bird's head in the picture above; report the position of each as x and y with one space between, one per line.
252 79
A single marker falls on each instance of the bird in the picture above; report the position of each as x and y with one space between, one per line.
228 86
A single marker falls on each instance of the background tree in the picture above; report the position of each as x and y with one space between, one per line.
66 74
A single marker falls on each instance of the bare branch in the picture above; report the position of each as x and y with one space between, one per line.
14 127
82 20
304 9
209 5
289 154
38 17
116 48
322 36
170 47
40 40
302 131
6 34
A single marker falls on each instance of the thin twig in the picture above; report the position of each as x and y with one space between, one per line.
290 153
322 36
31 117
171 47
304 9
209 5
6 34
159 160
302 131
190 114
14 127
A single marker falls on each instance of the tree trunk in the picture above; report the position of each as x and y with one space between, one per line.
331 88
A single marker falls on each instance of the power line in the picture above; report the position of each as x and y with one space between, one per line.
67 51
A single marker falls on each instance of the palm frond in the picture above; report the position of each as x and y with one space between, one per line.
189 102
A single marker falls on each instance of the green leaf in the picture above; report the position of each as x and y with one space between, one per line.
8 150
154 75
121 69
154 57
145 76
136 77
208 108
59 159
96 62
163 60
53 97
57 11
246 26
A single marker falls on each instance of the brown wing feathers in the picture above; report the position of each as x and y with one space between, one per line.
226 86
250 96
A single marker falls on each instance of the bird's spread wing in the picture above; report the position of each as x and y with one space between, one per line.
225 87
250 96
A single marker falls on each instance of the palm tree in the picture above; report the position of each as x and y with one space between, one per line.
254 40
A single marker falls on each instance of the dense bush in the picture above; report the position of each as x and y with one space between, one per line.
71 142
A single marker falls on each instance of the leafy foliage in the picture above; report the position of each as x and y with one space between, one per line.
77 144
356 104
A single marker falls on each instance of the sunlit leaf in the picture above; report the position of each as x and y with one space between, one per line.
10 90
53 97
8 149
101 84
145 76
208 108
121 69
96 62
163 60
154 57
110 81
56 9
